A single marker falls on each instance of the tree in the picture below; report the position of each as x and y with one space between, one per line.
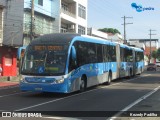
109 30
154 54
158 54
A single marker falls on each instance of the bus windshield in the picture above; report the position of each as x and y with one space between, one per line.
44 60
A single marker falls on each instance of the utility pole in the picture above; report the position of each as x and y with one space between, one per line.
124 24
150 34
32 21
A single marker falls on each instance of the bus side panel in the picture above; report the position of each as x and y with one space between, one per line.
114 70
99 76
122 69
94 73
139 67
125 69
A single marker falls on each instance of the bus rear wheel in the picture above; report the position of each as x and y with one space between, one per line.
130 74
109 79
83 84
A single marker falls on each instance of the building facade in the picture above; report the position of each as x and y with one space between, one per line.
11 34
55 16
115 37
95 33
50 16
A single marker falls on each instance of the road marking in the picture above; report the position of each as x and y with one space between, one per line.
2 110
134 103
14 94
40 104
55 118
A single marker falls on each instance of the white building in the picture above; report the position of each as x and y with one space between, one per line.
73 16
94 32
115 37
55 16
143 43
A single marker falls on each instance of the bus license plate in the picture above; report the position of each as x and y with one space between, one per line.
38 89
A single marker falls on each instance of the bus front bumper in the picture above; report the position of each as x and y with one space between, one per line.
39 87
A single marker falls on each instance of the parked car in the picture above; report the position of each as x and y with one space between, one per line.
152 67
158 64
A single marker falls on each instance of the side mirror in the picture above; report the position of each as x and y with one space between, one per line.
20 64
73 57
73 53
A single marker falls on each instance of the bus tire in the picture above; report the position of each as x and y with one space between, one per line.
83 84
140 71
130 74
109 78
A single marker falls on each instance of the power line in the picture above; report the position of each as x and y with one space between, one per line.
32 20
150 34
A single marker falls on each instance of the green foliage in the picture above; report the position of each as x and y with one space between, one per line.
158 54
154 54
146 58
109 30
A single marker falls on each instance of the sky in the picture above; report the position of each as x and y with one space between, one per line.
109 13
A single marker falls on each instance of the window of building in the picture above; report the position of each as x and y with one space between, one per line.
81 30
63 29
64 6
40 2
82 11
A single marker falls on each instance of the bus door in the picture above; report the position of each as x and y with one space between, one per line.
134 62
118 59
109 53
122 63
105 60
105 63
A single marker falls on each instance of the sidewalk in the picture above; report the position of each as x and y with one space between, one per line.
9 81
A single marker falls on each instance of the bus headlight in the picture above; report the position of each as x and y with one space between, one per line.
58 81
22 79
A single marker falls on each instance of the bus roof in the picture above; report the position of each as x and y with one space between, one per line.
93 39
54 38
66 38
137 49
125 46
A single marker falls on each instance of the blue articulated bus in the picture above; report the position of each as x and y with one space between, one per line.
66 63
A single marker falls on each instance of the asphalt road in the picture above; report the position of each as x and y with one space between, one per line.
103 101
